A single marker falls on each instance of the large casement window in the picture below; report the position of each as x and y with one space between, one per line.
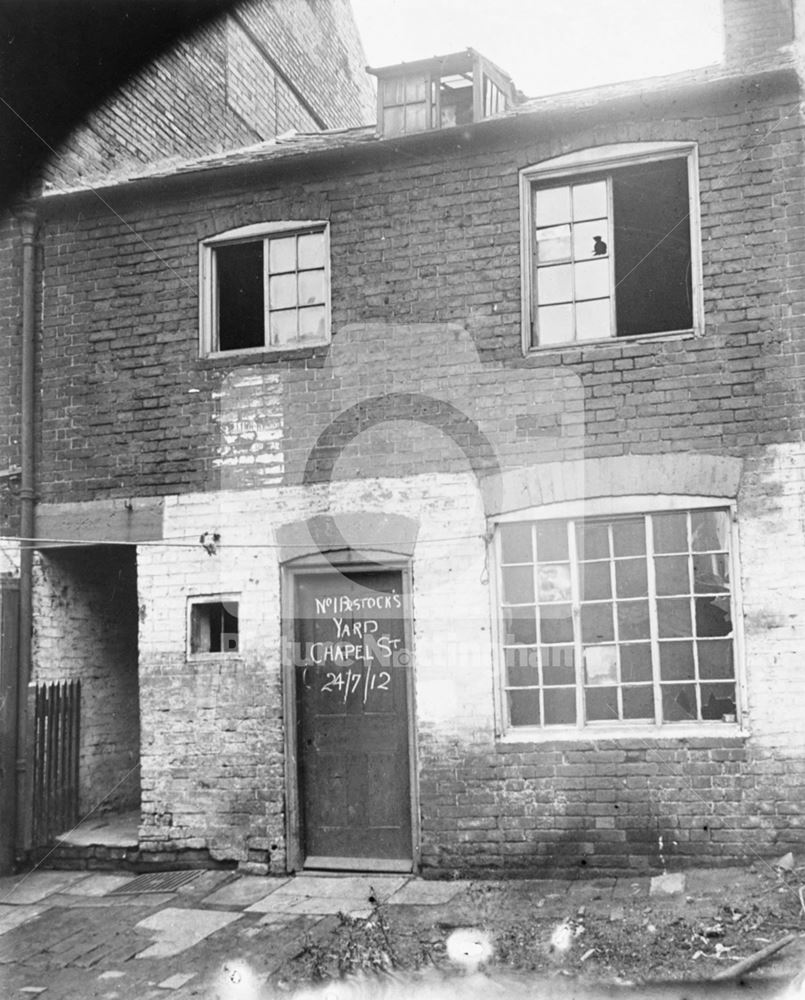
618 621
610 245
265 287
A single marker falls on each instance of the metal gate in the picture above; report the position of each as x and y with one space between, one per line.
55 764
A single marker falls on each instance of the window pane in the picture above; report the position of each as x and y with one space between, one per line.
595 581
311 324
393 120
555 325
590 239
713 616
311 287
630 578
638 703
560 706
592 279
416 117
551 541
311 251
672 575
590 200
282 254
393 91
593 319
711 573
718 700
554 284
524 708
282 291
676 661
601 704
670 532
715 658
678 702
709 530
415 88
633 620
518 584
522 667
553 243
558 664
519 626
553 205
636 662
556 623
283 327
553 583
516 543
596 623
629 537
600 665
592 540
673 616
241 311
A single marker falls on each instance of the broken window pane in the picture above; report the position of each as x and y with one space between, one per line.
718 702
713 616
711 573
679 702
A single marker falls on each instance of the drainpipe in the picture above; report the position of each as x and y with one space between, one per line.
28 228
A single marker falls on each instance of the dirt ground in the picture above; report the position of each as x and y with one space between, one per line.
619 934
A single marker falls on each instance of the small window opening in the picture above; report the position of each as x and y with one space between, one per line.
214 627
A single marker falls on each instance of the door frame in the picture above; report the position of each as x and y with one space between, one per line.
320 565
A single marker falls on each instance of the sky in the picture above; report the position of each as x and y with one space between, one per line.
548 46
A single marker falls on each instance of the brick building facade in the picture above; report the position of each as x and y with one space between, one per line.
452 480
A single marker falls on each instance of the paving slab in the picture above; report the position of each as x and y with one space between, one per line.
33 887
176 981
667 885
178 929
98 884
14 916
245 890
423 893
382 886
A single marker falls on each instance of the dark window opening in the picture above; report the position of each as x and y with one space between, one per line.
241 303
214 627
651 228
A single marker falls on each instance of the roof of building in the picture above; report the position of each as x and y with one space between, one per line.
295 145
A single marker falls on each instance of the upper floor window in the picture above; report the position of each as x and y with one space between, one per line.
618 620
610 245
265 287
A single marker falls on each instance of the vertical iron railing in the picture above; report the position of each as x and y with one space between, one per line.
55 765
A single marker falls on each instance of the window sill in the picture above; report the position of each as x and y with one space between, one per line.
262 355
638 735
232 657
642 338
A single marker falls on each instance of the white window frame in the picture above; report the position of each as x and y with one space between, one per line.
622 730
605 159
194 600
208 333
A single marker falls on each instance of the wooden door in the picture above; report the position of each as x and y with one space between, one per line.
351 675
